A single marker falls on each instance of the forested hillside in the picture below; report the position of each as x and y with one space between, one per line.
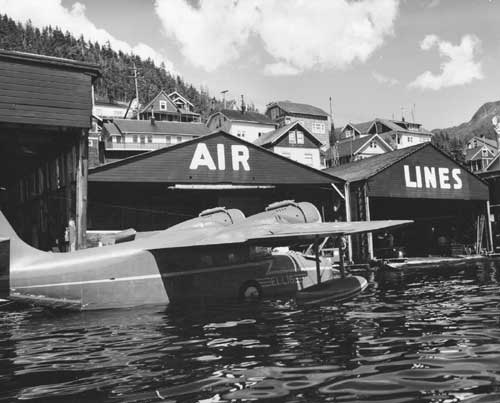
116 67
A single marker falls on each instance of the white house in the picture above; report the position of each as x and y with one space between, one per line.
241 123
293 141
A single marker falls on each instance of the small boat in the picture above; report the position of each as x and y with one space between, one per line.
334 290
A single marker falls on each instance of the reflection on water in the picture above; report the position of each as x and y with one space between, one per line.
420 337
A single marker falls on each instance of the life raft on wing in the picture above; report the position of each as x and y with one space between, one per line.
335 290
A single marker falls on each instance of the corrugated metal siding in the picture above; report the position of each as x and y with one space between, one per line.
44 95
172 165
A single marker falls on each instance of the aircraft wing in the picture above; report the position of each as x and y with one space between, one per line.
279 234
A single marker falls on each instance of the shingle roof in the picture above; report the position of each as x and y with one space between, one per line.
368 167
247 116
396 126
352 145
300 109
362 127
487 141
275 135
111 129
160 127
471 152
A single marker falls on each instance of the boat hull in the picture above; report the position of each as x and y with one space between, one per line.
335 290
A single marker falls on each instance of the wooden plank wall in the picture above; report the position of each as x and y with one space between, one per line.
44 95
42 201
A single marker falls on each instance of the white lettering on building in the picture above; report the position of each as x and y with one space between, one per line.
202 157
431 178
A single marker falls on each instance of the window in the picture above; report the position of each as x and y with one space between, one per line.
134 138
348 133
168 139
410 139
300 137
292 139
241 133
150 139
399 139
318 127
373 144
179 139
119 139
163 105
143 139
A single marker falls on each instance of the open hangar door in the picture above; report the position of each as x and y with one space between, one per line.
441 226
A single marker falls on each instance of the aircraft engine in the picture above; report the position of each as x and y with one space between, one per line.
290 212
217 215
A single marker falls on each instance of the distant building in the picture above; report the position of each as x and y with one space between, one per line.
243 124
397 133
293 141
479 153
126 137
314 119
357 148
171 107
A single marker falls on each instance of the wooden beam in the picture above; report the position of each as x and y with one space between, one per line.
491 247
347 202
368 218
81 190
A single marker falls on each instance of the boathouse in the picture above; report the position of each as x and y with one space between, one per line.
448 203
45 115
160 188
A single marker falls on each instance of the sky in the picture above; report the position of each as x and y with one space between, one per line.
432 61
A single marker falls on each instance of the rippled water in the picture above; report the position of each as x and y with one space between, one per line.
418 338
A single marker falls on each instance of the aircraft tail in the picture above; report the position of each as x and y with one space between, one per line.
19 250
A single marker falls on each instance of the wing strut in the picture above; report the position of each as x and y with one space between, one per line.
316 254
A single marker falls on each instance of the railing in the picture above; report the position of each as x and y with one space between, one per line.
136 146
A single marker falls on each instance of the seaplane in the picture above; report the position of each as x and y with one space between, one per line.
219 254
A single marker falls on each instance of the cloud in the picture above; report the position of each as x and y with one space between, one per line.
280 69
74 20
299 36
380 78
460 67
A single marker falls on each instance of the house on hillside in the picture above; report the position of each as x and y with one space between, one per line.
312 118
171 107
126 137
397 133
293 141
241 123
356 148
479 153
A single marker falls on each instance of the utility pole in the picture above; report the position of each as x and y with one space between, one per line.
224 97
136 90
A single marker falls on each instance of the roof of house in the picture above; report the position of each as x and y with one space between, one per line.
485 140
160 127
399 126
351 146
111 129
299 109
247 116
176 95
368 167
470 153
276 135
361 127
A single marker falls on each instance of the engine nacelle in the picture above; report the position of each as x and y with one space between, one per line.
288 211
213 216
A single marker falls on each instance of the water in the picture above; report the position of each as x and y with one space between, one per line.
417 338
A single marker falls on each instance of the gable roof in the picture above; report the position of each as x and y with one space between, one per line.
173 107
352 146
368 167
486 141
172 165
177 95
361 128
125 126
471 153
398 126
247 116
299 109
276 135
